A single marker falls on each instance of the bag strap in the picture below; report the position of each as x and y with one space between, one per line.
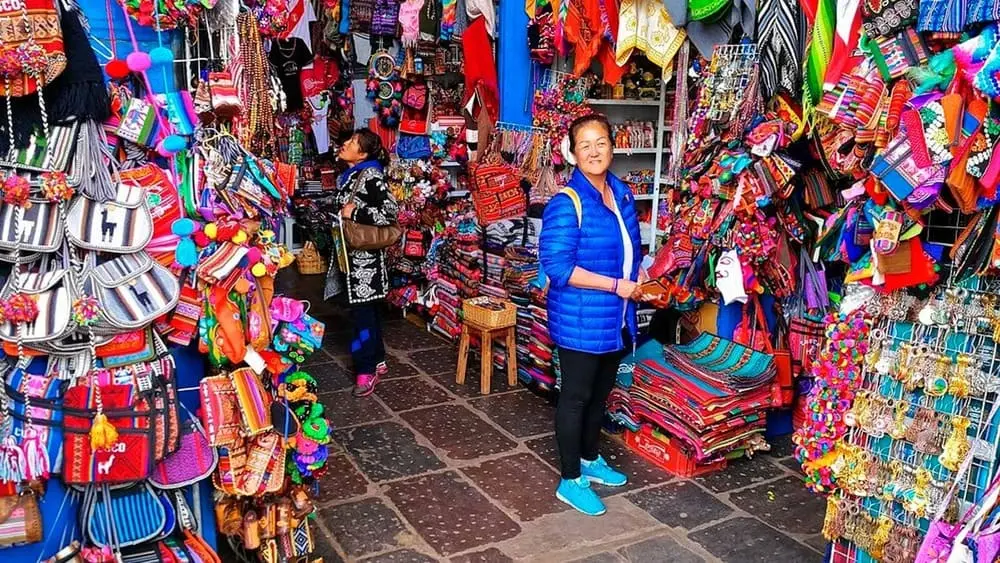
762 324
577 204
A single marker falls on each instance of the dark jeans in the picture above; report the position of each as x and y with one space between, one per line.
367 348
587 380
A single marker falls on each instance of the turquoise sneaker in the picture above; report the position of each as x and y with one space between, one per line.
598 471
577 493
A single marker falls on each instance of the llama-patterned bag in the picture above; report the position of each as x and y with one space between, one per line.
133 291
123 225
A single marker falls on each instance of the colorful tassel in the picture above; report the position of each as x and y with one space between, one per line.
103 434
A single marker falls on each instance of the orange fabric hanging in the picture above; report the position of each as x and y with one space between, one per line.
606 55
583 31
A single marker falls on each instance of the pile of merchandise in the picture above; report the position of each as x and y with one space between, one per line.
710 393
140 250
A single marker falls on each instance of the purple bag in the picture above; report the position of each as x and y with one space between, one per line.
947 542
814 283
938 542
193 461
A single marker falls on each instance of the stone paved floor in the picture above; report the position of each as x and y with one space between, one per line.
426 470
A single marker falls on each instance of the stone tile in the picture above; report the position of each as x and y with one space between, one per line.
606 557
323 546
469 389
680 504
320 356
792 464
330 376
343 409
436 362
410 393
364 527
545 447
817 542
521 414
784 504
458 431
399 367
663 548
449 514
341 480
387 450
640 472
740 473
401 556
339 343
407 336
520 483
491 555
748 540
543 539
781 446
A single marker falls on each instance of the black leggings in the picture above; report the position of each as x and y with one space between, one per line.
367 348
587 380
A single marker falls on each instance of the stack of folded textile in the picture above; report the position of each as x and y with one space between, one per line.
494 290
495 265
711 394
445 311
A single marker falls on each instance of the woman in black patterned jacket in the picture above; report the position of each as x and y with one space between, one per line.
364 197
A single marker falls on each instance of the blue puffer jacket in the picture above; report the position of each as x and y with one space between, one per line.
588 320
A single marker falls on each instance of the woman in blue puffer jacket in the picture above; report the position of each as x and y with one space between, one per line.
590 251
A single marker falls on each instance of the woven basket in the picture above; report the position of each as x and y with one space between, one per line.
309 260
489 313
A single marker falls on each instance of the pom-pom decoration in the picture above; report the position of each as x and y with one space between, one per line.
21 308
32 58
9 65
117 69
55 187
16 191
85 310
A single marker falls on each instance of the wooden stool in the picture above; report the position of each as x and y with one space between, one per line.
486 336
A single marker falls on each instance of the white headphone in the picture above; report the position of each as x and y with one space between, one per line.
566 153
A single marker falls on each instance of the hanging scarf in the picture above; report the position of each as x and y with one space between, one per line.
361 15
78 93
818 53
430 20
778 38
845 40
644 25
449 13
409 22
385 17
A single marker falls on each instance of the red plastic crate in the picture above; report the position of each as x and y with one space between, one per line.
668 453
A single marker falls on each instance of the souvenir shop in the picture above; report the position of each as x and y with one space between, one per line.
816 183
816 186
153 405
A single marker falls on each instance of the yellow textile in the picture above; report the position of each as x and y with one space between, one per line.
646 26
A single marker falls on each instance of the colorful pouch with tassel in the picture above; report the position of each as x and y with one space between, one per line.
109 434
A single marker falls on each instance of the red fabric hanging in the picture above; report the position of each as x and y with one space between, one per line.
480 67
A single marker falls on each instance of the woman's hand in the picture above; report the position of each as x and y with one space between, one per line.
626 289
348 211
643 276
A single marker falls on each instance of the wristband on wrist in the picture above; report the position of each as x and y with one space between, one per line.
614 287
